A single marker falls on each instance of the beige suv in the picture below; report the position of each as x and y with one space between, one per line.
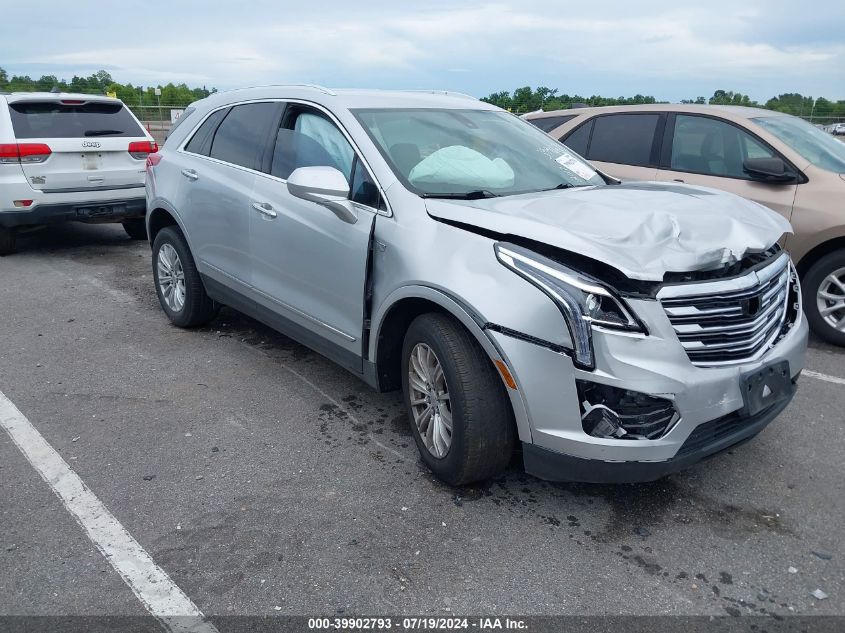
775 159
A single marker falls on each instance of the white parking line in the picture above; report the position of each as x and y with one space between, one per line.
819 376
151 584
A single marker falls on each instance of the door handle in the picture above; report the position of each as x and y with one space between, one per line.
677 180
264 209
190 174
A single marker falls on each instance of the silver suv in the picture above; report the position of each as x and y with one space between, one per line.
437 244
70 157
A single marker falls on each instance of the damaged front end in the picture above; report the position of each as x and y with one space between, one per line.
613 413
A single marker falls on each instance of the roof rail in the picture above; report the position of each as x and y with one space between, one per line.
322 89
450 93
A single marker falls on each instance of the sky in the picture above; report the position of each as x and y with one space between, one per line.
672 50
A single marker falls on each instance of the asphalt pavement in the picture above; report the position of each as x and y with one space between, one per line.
265 480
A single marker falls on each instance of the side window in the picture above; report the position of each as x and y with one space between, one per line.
624 138
363 189
242 136
548 123
200 143
711 147
314 141
577 141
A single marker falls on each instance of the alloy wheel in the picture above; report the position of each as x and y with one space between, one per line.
171 277
430 403
830 299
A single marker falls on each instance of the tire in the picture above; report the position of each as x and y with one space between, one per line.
195 308
817 279
483 434
136 228
8 240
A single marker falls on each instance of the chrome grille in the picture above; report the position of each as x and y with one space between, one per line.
733 320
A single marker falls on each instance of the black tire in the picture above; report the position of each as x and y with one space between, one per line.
8 240
136 228
810 285
483 428
198 309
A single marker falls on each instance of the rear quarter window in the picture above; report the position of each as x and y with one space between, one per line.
53 119
549 123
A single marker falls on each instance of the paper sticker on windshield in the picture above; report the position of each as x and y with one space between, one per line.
576 166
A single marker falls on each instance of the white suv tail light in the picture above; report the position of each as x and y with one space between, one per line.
142 149
24 153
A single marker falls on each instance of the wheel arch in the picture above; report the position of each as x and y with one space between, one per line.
817 252
161 216
395 315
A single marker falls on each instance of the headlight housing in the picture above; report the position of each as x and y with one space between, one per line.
583 301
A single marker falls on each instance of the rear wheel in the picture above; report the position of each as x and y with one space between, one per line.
460 414
823 290
136 228
8 239
178 283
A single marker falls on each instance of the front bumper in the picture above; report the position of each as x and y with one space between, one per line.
94 211
657 365
707 440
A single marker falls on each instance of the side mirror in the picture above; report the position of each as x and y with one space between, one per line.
768 170
325 186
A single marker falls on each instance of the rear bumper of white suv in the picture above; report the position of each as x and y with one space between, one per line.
50 207
92 211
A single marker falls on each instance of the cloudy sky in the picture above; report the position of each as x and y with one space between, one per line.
673 50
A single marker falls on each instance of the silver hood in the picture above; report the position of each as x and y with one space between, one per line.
643 229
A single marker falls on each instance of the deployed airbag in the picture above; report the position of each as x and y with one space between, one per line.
463 167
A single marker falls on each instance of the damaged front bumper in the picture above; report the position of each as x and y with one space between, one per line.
711 410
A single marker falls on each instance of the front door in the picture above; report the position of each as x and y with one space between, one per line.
710 152
309 265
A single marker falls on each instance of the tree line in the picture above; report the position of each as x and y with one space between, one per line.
101 82
527 99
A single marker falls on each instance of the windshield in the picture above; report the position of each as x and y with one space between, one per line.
818 147
472 153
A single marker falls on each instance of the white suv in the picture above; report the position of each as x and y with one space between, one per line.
70 157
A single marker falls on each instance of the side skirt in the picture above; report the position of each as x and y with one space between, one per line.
346 359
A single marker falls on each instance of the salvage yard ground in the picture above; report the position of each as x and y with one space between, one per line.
263 479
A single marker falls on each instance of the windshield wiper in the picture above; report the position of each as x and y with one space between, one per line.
102 132
463 195
563 185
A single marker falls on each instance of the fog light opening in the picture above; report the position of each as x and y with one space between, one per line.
601 421
613 413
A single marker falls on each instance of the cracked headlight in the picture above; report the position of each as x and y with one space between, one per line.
583 301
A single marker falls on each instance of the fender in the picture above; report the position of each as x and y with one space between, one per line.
161 203
471 320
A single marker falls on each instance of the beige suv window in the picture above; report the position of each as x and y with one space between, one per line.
707 146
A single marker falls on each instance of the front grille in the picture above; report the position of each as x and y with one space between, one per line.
732 320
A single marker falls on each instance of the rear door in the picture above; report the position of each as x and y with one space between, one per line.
624 145
89 145
707 151
218 165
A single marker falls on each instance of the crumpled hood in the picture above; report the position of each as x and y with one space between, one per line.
643 229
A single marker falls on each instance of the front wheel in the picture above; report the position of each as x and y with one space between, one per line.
460 414
823 289
136 228
178 283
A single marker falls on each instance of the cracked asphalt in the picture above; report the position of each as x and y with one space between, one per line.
264 479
